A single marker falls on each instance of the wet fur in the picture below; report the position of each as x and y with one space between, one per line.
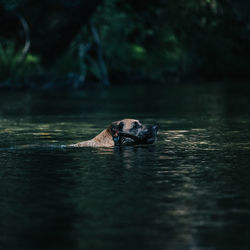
128 135
104 139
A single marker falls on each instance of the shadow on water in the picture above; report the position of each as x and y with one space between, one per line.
189 190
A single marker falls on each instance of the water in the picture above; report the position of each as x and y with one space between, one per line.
189 190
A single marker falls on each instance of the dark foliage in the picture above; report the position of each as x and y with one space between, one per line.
156 40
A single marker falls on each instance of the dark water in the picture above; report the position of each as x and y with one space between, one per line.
190 190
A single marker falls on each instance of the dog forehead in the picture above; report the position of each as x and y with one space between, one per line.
128 123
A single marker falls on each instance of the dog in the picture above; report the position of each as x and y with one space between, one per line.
122 133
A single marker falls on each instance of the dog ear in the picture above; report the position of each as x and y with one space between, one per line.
113 128
120 126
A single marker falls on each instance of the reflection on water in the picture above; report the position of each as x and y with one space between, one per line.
189 190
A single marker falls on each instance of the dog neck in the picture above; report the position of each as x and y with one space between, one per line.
104 139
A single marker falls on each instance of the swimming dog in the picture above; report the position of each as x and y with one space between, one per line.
123 132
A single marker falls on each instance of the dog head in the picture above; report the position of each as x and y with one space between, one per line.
132 132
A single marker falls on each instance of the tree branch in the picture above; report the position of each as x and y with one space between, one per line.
27 44
101 63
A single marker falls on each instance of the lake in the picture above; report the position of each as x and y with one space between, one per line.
189 190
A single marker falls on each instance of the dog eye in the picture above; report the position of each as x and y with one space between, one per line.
136 125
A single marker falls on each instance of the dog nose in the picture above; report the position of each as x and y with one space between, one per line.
155 127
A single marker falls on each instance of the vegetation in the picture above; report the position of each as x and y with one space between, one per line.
12 64
160 40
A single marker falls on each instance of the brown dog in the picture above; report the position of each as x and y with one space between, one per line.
123 132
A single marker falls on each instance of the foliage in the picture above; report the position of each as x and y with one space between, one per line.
154 39
150 39
131 45
11 66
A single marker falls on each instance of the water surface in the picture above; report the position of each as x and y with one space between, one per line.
189 190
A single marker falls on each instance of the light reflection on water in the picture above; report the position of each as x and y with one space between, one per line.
189 190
